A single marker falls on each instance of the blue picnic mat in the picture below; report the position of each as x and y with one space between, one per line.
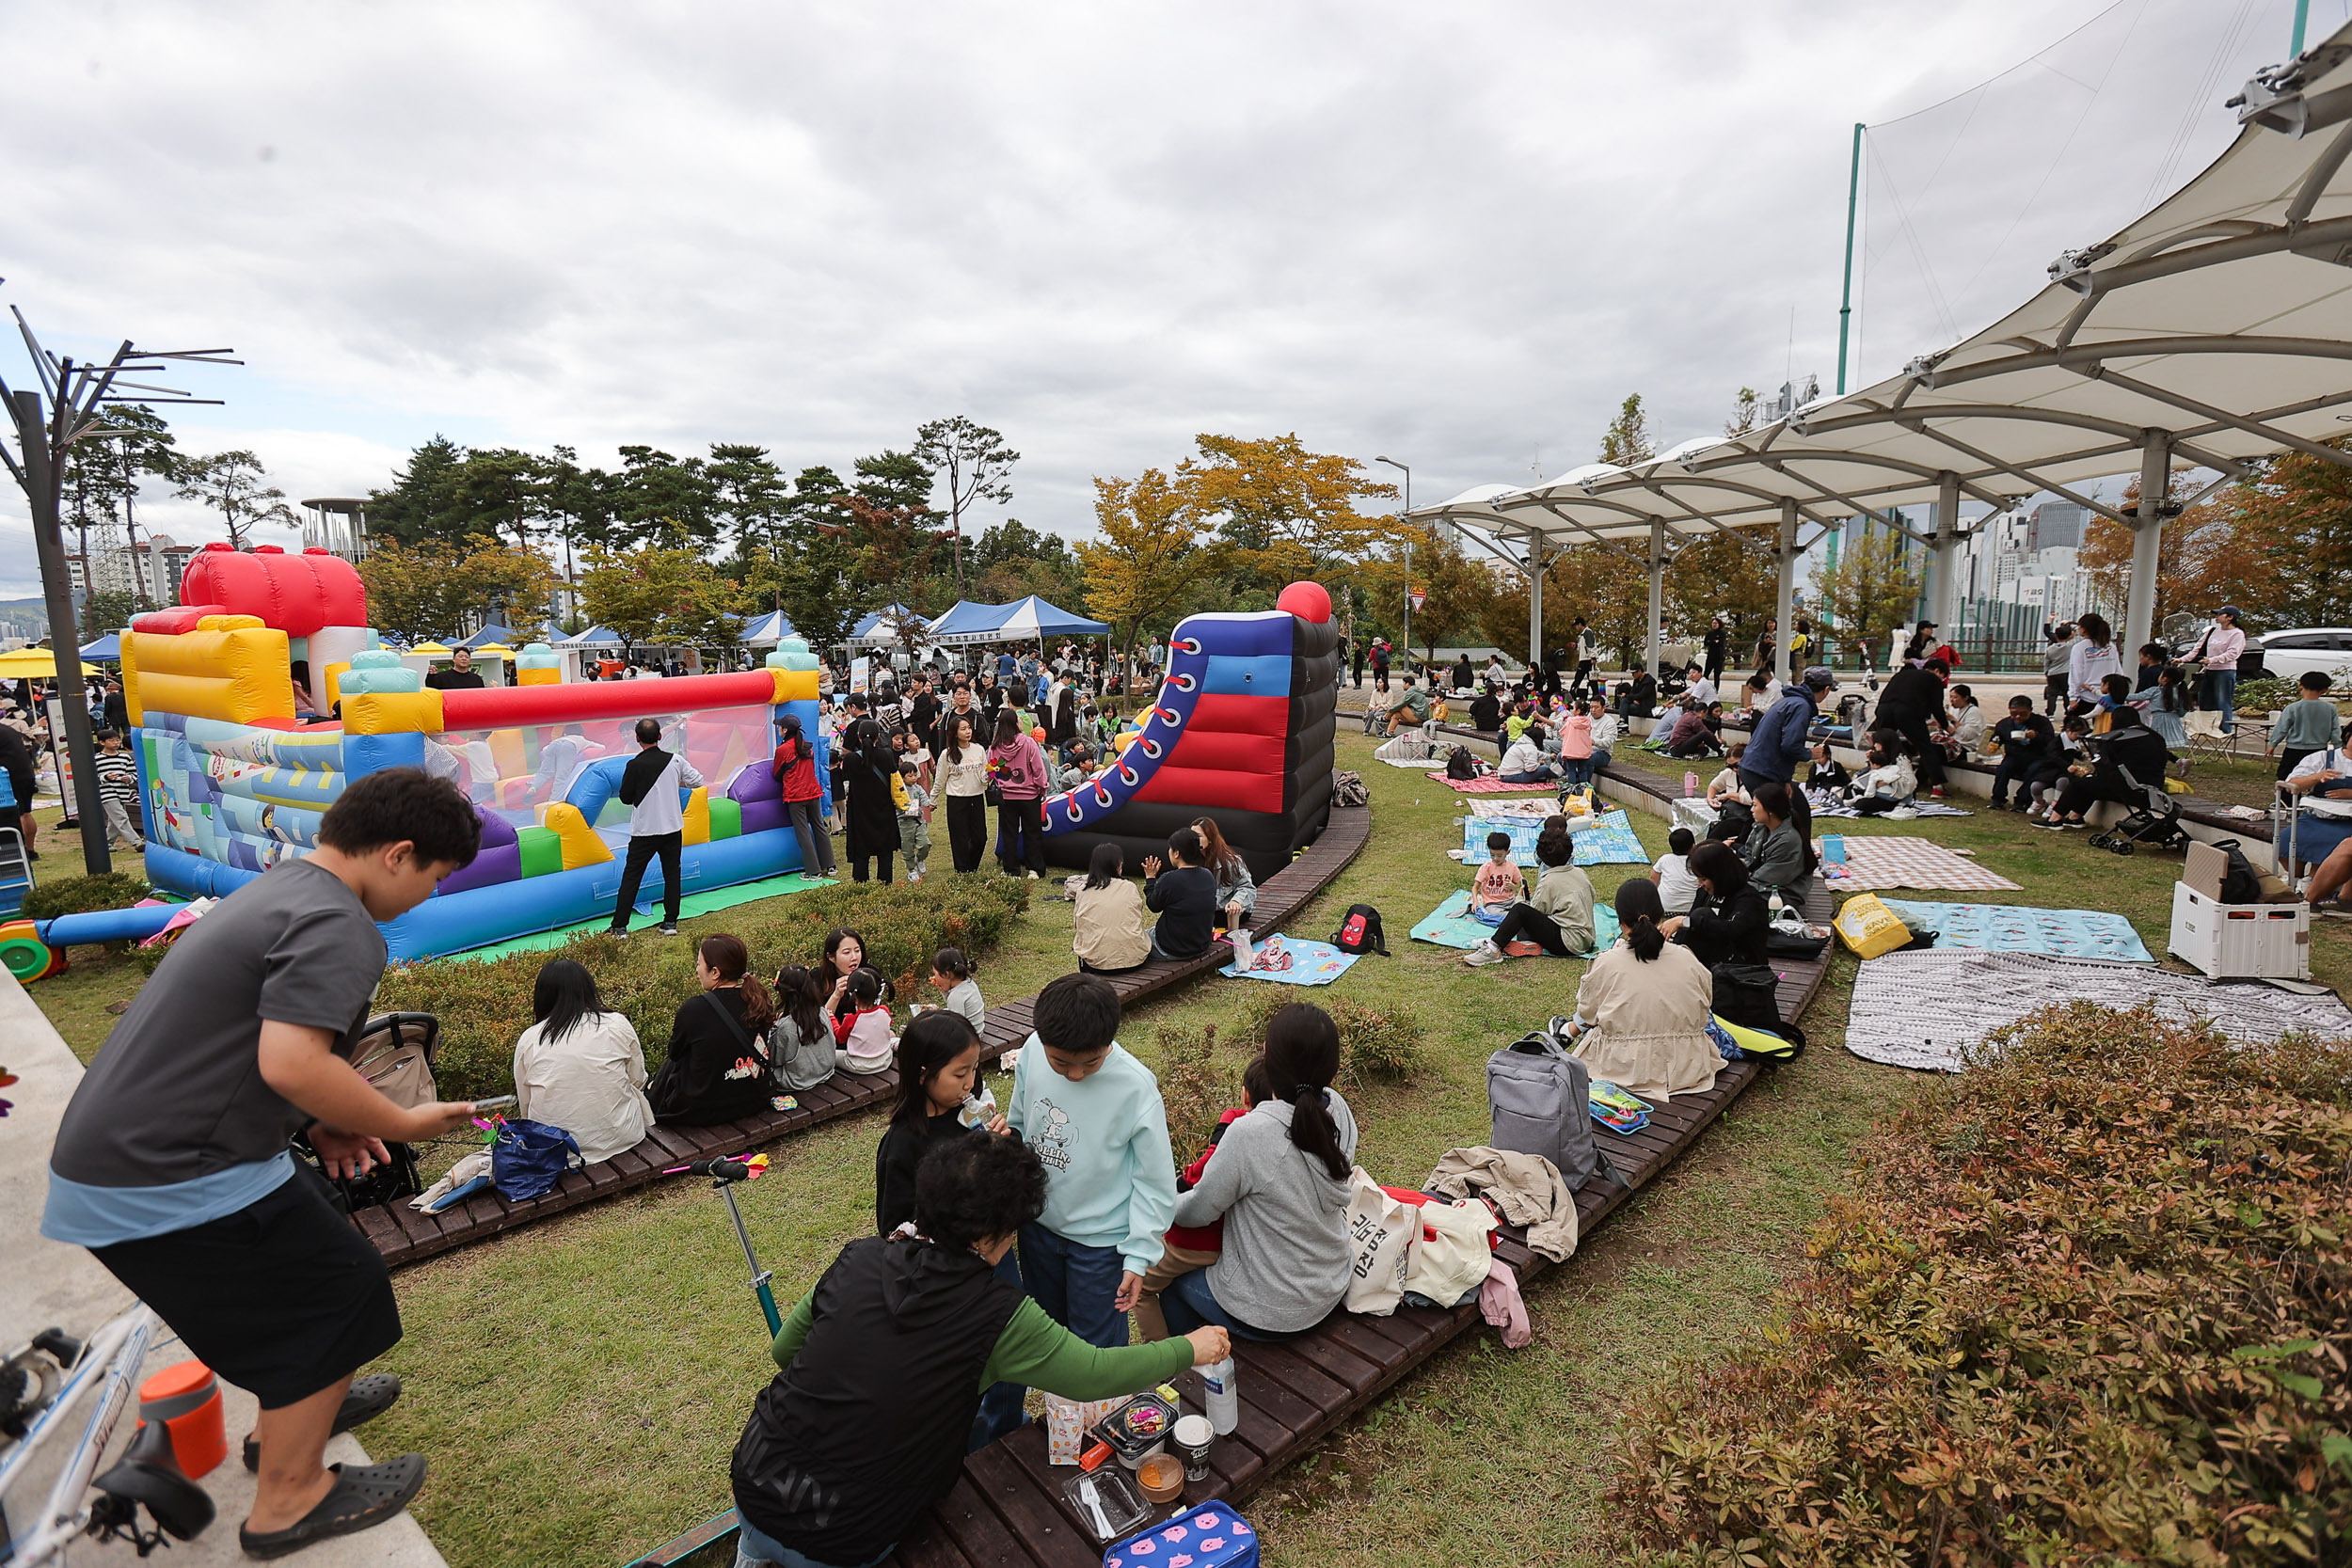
2017 928
1610 841
1312 963
1450 925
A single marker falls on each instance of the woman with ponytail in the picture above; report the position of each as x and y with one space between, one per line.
718 1066
1280 1183
1643 1008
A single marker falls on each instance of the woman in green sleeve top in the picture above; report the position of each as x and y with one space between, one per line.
883 1363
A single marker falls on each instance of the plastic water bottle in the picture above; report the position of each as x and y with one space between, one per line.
1221 1396
1690 783
1776 903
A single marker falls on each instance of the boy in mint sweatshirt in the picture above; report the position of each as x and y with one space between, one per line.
1094 1115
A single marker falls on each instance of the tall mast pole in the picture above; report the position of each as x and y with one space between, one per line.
2302 14
1853 192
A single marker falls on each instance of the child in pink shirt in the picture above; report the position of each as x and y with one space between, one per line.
1498 884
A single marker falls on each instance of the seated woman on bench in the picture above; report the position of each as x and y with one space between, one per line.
2128 746
2321 833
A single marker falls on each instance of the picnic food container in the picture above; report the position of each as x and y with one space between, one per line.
1161 1478
1105 1501
1209 1536
1192 1438
1137 1429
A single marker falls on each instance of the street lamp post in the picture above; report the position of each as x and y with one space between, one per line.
1406 470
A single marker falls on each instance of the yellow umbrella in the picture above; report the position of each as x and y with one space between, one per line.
28 661
432 650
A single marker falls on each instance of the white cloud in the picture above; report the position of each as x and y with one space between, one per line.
1457 236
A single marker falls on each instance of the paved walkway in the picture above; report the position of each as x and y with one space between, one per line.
45 1283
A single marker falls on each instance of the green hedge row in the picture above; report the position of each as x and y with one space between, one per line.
2091 1302
484 1004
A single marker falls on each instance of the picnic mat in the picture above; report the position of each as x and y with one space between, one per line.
1822 803
1449 925
1311 963
1924 1010
2015 928
1606 839
1407 750
1487 785
1883 863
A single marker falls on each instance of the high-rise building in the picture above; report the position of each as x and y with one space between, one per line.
148 571
2054 525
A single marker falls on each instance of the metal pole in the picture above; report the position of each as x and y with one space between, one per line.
43 486
759 1276
1657 595
1534 601
1845 303
1943 581
2302 14
1784 589
2155 478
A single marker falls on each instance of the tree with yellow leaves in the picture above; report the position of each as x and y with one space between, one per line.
1285 513
1149 556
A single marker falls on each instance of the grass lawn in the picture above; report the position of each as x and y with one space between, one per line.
579 1386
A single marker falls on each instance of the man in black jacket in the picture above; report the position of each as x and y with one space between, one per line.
2029 754
1914 697
461 675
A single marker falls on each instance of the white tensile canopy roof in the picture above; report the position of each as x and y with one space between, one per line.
2214 328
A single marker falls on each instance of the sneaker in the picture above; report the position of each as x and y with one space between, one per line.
1485 953
1936 793
2057 823
668 927
616 932
1903 814
1032 876
1523 949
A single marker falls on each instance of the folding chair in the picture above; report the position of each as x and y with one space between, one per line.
2206 739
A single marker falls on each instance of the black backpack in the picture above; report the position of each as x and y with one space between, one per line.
1359 932
2240 884
1459 764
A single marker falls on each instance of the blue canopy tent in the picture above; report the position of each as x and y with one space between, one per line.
107 649
767 632
594 637
883 627
1034 620
502 635
967 622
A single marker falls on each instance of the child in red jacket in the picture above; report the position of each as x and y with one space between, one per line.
1190 1247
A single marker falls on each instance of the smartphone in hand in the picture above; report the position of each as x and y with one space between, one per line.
496 1102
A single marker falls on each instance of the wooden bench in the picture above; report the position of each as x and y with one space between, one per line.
1006 1510
404 1236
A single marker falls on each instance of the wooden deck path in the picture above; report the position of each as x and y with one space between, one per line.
404 1236
1006 1510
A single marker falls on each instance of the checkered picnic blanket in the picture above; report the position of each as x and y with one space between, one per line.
1608 839
1488 785
1890 862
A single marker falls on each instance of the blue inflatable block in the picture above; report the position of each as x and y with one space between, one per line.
94 926
1267 676
193 874
373 753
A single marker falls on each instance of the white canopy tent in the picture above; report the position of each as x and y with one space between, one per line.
2214 328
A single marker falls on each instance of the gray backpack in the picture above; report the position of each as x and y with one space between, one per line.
1541 1099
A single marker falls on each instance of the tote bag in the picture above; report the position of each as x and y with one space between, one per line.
530 1157
1380 1234
1452 1257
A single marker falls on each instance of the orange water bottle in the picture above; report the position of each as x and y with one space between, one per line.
186 1400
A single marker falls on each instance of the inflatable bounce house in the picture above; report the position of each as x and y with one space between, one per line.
1241 732
230 781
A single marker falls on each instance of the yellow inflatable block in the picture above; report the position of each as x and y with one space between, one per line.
579 841
393 713
238 673
131 679
1866 925
794 686
506 748
335 682
538 678
698 816
226 623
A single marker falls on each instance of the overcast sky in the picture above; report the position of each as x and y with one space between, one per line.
1456 235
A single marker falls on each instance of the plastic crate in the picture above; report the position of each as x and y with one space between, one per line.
2233 941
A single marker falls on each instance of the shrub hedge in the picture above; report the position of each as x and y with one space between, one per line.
1376 1045
115 890
2088 1304
484 1005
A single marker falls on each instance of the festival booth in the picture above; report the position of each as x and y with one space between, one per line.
231 783
766 632
1241 732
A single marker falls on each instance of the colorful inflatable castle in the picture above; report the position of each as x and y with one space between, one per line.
232 781
1241 732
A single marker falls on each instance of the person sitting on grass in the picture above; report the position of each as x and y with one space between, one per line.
1557 918
1280 1183
1672 875
1725 785
2308 724
1524 762
799 1045
1643 1008
1824 771
1107 924
939 1068
1184 896
1888 781
894 1345
1693 732
1498 883
716 1071
1777 858
1185 1248
579 1066
1729 919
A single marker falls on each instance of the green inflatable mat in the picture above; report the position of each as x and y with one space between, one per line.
692 905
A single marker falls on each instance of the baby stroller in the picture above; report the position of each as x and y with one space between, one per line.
2151 817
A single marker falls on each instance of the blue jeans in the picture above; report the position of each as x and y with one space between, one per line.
1600 760
1576 772
2225 697
755 1548
1077 1285
1541 776
1189 1304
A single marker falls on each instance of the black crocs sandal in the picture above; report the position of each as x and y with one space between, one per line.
363 1401
363 1495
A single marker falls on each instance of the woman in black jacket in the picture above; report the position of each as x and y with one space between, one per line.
717 1071
868 764
1728 920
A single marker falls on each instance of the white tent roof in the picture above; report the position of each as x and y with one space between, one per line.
2221 320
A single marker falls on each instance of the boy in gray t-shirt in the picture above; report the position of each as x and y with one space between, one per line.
171 1162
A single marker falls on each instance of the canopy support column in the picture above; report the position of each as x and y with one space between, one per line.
1657 597
1785 588
1535 600
1941 578
2155 480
